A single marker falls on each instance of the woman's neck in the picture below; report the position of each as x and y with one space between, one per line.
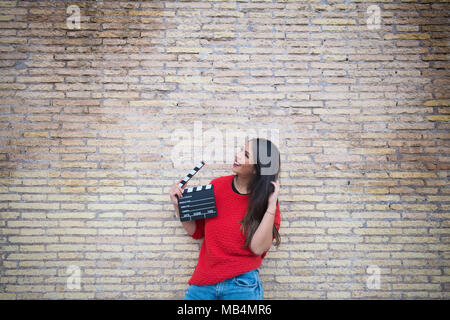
242 183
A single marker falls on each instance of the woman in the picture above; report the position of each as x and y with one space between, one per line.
247 222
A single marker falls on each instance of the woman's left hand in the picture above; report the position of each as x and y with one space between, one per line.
274 196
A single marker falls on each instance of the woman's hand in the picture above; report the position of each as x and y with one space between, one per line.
175 191
274 196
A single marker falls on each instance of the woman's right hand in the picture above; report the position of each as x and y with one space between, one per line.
176 191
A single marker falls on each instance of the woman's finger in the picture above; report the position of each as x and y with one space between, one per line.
276 186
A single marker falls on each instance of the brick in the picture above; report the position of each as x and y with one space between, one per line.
334 21
407 36
437 103
439 118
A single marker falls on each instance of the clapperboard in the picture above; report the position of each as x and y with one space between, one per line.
197 202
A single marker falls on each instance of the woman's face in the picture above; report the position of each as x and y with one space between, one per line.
243 161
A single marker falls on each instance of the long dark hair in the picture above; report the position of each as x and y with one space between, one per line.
267 166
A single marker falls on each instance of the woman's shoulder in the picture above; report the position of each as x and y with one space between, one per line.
221 180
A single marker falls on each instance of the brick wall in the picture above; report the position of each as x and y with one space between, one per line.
87 116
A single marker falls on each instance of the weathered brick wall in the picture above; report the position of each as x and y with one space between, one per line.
87 117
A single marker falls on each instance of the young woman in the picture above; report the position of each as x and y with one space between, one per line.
247 222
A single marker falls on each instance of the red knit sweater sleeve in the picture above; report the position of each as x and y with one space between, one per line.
199 229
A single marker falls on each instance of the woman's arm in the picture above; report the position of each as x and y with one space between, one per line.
263 236
177 192
189 226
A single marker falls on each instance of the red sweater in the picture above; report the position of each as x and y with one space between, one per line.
221 255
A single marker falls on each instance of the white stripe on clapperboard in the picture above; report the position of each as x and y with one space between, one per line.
189 203
186 211
191 174
199 188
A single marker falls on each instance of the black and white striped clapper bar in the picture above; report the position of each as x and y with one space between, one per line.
197 202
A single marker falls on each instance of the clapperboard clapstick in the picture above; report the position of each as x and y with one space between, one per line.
191 174
197 202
